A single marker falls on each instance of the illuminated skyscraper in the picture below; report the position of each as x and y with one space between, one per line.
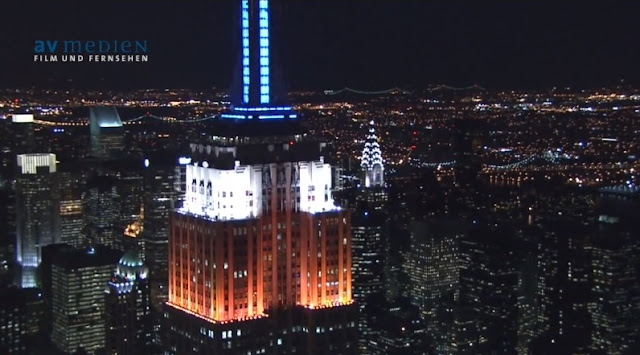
71 221
368 254
37 211
23 133
433 268
78 297
72 182
107 135
259 255
368 227
368 230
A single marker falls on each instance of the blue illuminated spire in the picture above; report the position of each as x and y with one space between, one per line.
256 100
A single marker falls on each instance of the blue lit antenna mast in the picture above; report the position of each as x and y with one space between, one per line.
257 98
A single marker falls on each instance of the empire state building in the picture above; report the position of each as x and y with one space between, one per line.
259 255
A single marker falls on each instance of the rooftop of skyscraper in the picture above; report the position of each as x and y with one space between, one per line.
71 258
105 117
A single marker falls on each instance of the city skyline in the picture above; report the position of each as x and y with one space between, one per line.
247 215
330 45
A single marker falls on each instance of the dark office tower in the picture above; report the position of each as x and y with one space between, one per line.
368 265
527 298
468 145
78 297
72 183
487 316
467 142
37 211
616 287
49 255
399 329
101 204
127 308
7 228
563 285
160 195
433 268
259 255
22 130
7 204
6 252
130 188
21 314
107 134
368 254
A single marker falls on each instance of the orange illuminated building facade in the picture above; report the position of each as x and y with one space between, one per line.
255 236
259 250
237 269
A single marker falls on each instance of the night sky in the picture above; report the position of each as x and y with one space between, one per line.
364 44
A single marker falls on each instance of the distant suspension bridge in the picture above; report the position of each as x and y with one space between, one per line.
171 119
85 121
399 90
550 157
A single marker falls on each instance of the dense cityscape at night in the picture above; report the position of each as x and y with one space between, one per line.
257 217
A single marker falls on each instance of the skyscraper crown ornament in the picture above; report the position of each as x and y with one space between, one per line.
372 163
